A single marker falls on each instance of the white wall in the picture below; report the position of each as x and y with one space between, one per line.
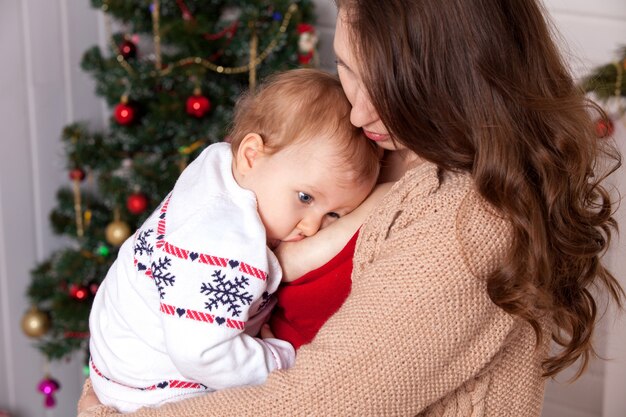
592 32
42 88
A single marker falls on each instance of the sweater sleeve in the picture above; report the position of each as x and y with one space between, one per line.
417 325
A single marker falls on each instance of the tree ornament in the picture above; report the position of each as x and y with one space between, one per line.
307 42
103 250
35 323
198 105
48 386
604 128
128 49
78 292
93 288
117 231
87 217
137 203
77 174
124 113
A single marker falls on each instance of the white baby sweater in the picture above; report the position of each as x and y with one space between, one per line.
178 310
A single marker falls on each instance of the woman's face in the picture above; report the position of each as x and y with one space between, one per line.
363 114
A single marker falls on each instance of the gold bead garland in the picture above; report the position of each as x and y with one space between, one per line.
251 66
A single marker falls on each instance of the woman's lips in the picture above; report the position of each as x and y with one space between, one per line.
376 137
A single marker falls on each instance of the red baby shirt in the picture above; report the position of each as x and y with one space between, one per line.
306 303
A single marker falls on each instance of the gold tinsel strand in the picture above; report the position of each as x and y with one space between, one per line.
252 67
156 34
78 211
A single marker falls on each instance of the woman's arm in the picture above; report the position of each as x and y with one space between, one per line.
417 325
298 258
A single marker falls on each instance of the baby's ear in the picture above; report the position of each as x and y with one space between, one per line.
250 149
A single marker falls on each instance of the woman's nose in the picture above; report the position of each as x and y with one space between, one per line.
362 113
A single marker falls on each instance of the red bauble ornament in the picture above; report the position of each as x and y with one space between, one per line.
124 114
128 49
93 288
198 105
78 292
604 128
137 203
77 174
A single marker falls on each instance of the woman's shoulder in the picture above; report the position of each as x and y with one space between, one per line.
483 234
428 200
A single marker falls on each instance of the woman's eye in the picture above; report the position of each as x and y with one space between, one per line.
333 215
305 198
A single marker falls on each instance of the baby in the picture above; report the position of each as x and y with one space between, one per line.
180 310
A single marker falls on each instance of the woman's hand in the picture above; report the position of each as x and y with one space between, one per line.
88 397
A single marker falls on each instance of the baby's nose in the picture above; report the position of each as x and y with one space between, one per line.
310 226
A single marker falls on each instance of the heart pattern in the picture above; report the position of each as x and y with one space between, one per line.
180 311
193 256
141 267
220 320
233 263
162 384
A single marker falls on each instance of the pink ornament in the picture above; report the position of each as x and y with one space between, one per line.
48 386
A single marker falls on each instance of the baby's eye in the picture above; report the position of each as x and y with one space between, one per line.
305 198
333 215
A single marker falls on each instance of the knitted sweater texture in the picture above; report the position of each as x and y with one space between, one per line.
418 335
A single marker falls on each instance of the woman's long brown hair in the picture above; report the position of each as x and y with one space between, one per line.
479 86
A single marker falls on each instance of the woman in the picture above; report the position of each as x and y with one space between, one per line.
484 249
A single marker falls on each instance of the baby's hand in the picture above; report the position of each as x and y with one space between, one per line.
266 332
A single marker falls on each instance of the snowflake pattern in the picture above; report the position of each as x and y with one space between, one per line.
227 293
162 277
141 244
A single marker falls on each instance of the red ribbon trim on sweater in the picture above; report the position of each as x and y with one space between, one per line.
170 383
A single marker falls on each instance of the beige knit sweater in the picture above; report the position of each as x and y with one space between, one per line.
418 334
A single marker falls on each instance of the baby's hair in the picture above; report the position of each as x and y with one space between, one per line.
299 105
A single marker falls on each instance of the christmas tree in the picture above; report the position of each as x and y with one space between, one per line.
170 76
607 83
